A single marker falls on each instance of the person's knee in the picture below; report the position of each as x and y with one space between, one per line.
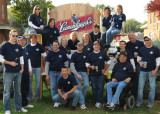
76 93
108 84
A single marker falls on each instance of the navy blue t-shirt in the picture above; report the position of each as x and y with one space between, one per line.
95 37
121 71
26 57
71 45
134 47
53 34
106 22
89 47
65 49
97 59
149 55
36 20
11 52
56 60
79 59
117 20
35 54
67 84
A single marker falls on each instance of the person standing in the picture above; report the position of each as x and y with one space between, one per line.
12 57
72 42
88 44
97 62
149 61
95 34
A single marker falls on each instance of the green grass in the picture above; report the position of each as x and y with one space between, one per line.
45 106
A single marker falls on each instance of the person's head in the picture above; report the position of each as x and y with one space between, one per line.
51 22
64 41
96 46
119 9
74 36
64 71
21 41
96 28
33 39
106 11
147 40
123 57
86 38
36 10
131 36
80 46
122 44
56 45
13 35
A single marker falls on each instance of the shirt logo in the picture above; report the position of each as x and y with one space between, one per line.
26 53
60 56
41 20
151 52
68 82
100 57
55 32
84 57
117 25
37 49
88 49
120 18
124 68
136 47
17 50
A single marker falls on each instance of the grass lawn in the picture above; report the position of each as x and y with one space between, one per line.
45 106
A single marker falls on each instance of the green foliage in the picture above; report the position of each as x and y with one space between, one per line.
156 43
21 9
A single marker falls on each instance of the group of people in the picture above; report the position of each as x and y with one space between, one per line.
71 65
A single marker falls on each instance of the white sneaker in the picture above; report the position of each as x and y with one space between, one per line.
23 110
83 106
29 106
8 112
98 105
56 104
150 106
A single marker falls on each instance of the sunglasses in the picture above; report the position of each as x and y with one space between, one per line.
37 9
14 35
146 40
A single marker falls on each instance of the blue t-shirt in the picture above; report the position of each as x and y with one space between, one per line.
97 59
67 84
36 20
26 57
12 53
71 45
121 71
52 34
149 55
106 22
117 20
95 37
79 59
56 60
88 48
134 47
65 49
35 54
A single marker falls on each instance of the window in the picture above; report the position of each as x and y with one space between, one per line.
2 11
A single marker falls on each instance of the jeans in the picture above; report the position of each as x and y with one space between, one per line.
54 76
152 83
74 95
37 73
8 80
110 35
120 85
97 87
83 91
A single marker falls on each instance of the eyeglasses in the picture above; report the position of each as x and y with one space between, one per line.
37 9
14 35
146 40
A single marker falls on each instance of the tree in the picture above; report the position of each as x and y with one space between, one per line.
21 9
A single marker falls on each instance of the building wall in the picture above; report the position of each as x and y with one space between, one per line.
3 11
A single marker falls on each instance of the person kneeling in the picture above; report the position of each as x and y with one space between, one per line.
69 85
121 76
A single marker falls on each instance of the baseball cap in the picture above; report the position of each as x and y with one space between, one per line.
20 37
79 43
123 53
147 37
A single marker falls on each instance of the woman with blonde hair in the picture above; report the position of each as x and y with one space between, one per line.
72 42
64 45
88 45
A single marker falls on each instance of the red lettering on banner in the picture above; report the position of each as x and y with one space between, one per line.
75 24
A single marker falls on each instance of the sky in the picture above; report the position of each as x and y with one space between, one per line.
131 8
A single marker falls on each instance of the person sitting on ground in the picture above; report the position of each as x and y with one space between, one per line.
95 34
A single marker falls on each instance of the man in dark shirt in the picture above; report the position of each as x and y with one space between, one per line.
149 61
121 73
67 88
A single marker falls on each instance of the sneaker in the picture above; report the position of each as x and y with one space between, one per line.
138 105
22 110
73 108
7 112
29 106
150 106
56 104
83 106
36 100
108 105
98 105
112 106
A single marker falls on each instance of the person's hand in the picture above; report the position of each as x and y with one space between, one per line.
114 80
21 71
116 57
127 80
65 96
13 64
69 71
103 71
134 70
92 67
140 63
41 28
47 77
153 73
79 76
30 74
135 55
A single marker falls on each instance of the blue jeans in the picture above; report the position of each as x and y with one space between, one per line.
120 85
110 35
54 76
37 73
74 95
97 87
8 80
83 91
152 83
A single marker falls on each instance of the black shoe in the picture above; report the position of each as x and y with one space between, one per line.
67 104
73 108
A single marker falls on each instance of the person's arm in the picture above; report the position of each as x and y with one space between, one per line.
123 26
43 60
73 69
32 25
47 70
60 92
133 64
29 67
72 90
22 64
157 66
139 60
